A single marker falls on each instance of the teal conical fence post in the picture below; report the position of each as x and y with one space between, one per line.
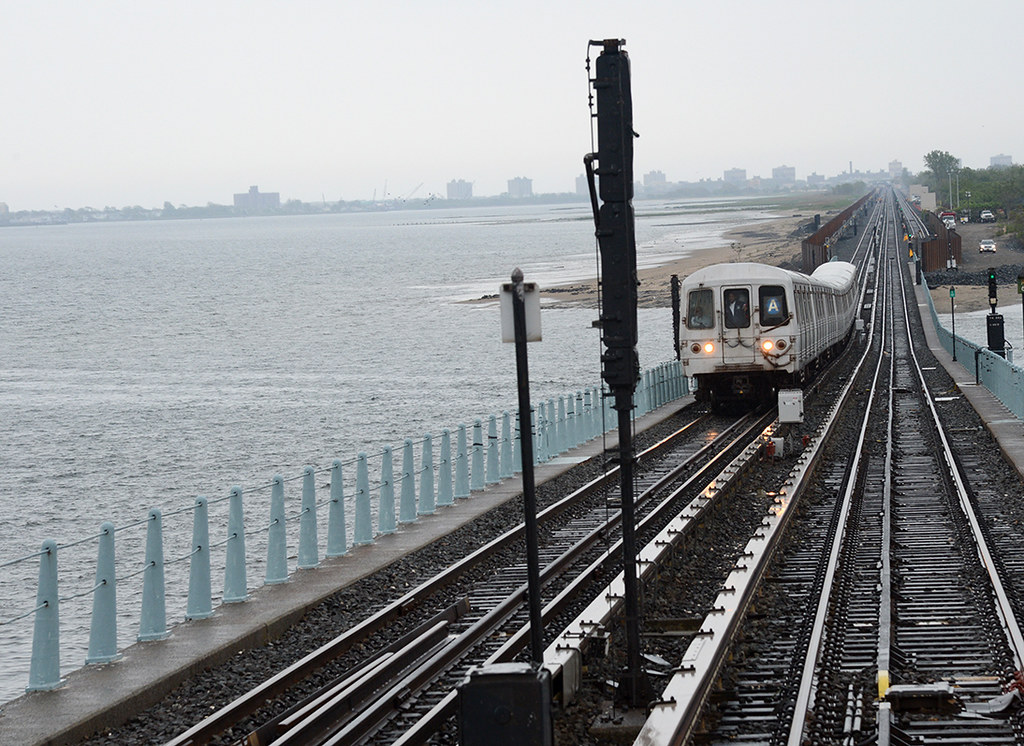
554 444
235 580
550 427
309 554
444 470
588 419
507 469
539 435
427 505
461 465
579 433
407 506
277 537
560 427
517 447
337 539
476 476
547 420
570 422
493 470
103 630
200 595
153 619
386 509
44 668
364 527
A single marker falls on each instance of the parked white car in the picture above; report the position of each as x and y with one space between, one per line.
987 217
987 245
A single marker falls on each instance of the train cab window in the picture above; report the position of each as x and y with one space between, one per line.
772 304
737 308
700 309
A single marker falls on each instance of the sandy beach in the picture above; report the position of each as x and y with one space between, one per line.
769 242
778 242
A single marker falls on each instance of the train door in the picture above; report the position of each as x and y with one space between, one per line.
737 330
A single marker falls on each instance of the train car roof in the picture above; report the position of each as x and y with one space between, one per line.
834 274
837 274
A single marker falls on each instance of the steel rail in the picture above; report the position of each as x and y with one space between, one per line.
400 691
433 720
808 677
674 719
253 700
1004 607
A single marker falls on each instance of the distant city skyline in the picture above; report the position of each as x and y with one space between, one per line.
112 104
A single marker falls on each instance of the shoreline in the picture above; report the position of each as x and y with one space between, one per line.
775 241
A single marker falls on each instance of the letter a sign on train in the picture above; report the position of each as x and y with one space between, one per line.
773 307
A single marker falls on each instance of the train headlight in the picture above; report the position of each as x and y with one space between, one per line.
780 345
767 345
695 348
709 347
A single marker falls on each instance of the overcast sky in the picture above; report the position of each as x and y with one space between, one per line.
137 103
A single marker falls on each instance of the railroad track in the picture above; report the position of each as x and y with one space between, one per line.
395 684
884 587
877 562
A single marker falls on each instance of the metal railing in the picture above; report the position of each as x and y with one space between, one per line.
397 497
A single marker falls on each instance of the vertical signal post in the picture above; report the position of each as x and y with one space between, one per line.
620 366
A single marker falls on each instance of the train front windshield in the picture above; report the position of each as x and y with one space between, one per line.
737 308
700 309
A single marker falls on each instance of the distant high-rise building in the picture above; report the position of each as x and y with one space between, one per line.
895 170
460 189
736 176
520 187
815 179
654 179
1000 161
256 201
784 175
582 187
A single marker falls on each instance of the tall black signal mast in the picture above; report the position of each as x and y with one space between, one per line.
620 367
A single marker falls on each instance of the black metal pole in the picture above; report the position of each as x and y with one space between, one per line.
526 448
620 366
638 688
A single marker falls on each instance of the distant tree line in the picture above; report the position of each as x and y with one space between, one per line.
999 189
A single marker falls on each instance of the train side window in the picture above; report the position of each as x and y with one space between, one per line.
700 309
772 305
737 308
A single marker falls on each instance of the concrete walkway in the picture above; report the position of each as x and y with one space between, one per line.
106 695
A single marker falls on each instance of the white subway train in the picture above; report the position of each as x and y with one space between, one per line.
751 329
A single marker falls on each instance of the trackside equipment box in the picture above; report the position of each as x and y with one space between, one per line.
791 405
505 704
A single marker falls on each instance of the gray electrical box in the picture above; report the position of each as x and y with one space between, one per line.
791 405
505 704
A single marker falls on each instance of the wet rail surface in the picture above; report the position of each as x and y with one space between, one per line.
880 621
459 615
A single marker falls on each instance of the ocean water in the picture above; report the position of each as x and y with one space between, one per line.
973 326
143 364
